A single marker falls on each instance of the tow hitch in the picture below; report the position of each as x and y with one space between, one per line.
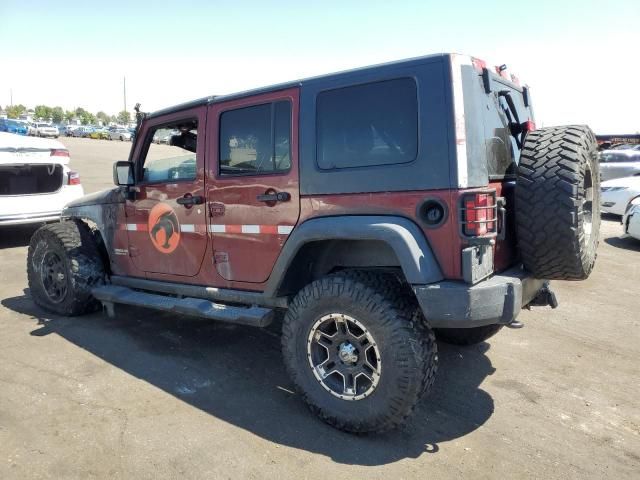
545 297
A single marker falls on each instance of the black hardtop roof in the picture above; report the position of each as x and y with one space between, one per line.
295 83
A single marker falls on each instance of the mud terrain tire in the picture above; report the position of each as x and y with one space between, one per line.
63 265
405 345
557 202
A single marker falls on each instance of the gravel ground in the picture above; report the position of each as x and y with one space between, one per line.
153 396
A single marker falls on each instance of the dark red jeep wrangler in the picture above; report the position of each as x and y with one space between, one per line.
377 208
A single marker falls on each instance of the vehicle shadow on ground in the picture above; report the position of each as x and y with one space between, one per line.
236 374
16 236
628 243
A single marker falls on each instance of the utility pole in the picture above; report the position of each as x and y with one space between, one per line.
11 96
124 84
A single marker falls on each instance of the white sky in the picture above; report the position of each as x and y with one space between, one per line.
579 58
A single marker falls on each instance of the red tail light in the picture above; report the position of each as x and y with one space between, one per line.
74 178
59 152
529 126
479 214
478 64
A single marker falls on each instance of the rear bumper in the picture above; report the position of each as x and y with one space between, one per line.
497 300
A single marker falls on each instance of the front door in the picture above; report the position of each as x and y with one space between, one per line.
253 190
166 221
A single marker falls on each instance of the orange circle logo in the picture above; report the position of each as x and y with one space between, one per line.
164 229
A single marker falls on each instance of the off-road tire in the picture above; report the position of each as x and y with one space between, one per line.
81 265
406 344
467 336
557 173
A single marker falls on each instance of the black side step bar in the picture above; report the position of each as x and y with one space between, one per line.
197 307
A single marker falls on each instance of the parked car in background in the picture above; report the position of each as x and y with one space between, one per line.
164 136
35 180
619 163
31 129
121 134
616 194
631 218
69 129
100 134
10 125
46 130
622 146
80 131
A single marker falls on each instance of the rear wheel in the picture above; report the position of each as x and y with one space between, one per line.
558 202
359 351
467 336
63 265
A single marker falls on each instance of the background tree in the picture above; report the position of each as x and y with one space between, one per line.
87 118
103 117
14 111
69 115
124 117
42 112
57 115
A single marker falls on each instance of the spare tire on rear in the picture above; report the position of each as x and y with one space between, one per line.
557 202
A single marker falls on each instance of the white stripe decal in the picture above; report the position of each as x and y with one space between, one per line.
188 228
285 229
248 229
131 227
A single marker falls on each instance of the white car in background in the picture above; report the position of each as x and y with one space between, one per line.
631 218
35 180
31 129
46 130
121 134
616 194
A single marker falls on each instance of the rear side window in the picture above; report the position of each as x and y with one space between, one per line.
367 125
256 140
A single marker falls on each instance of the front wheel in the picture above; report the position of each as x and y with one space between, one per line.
63 265
359 351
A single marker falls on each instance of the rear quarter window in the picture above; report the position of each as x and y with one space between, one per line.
367 125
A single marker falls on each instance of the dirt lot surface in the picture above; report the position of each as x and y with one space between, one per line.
152 396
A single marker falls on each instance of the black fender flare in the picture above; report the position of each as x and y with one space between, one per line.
408 242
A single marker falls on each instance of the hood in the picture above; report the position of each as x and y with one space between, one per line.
629 182
21 149
103 197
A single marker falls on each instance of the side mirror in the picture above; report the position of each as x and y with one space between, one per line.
123 174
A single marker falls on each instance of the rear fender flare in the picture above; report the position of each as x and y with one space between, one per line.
405 238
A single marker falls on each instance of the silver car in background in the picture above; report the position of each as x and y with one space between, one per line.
619 163
121 134
46 130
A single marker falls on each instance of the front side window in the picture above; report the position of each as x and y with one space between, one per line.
256 140
171 153
367 125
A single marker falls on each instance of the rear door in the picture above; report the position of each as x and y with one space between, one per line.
253 190
166 221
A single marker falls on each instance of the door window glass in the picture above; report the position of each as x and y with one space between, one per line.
256 140
171 153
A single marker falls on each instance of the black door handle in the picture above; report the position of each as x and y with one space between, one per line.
274 197
189 200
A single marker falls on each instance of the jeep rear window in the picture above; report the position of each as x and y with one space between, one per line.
256 140
367 125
